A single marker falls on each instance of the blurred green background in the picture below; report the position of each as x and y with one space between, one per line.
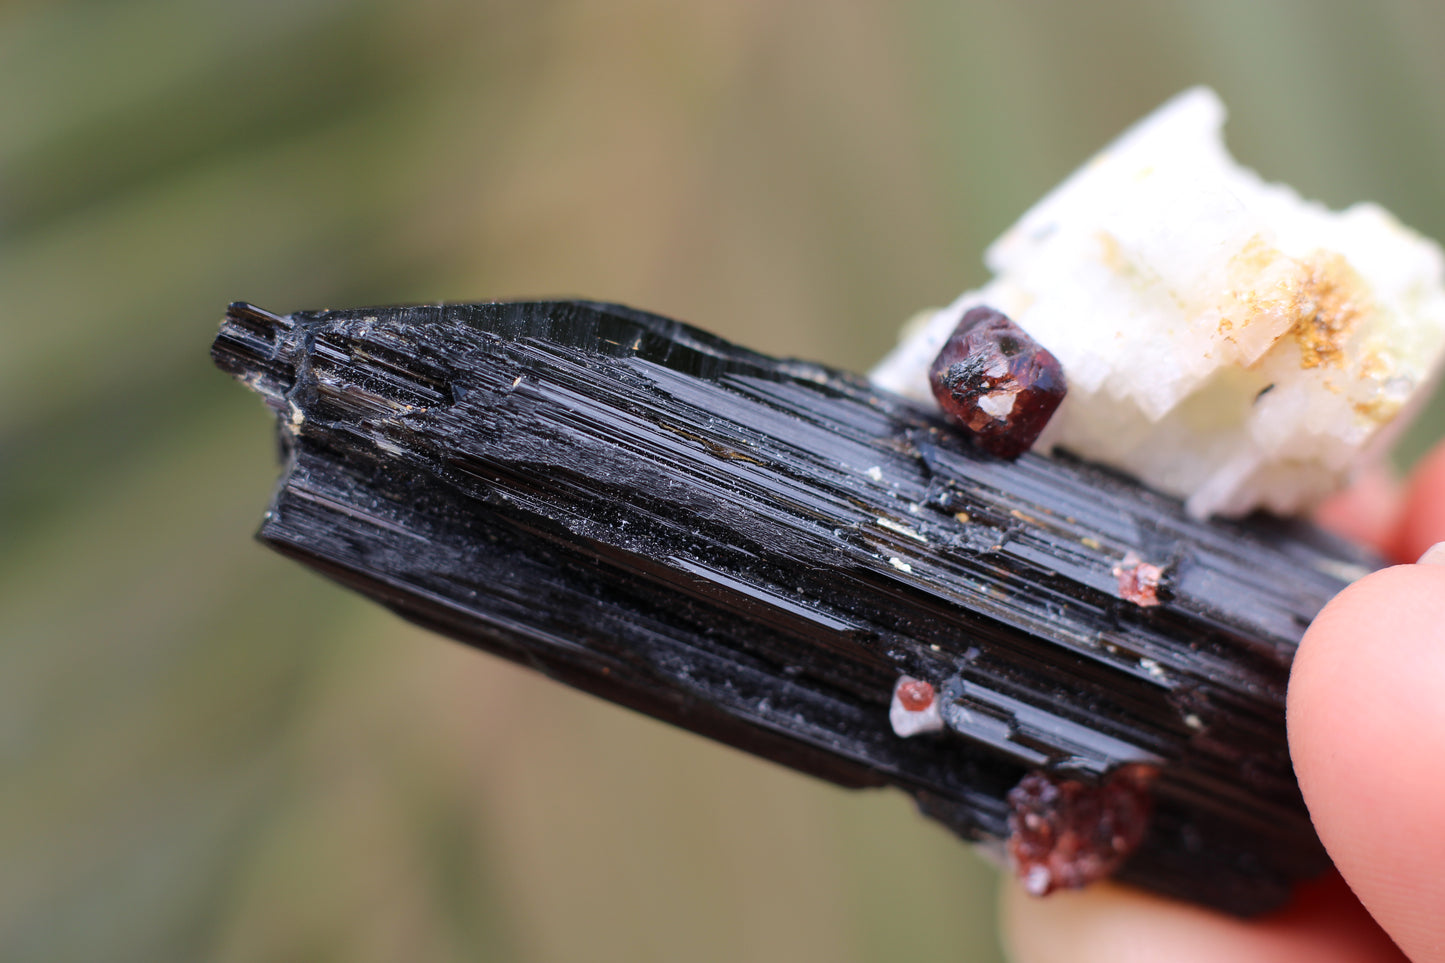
207 752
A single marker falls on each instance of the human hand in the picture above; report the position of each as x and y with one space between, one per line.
1367 735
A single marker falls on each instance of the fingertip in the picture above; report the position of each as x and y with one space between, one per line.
1367 733
1421 522
1107 923
1368 511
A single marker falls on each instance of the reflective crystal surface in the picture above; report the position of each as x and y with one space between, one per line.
997 383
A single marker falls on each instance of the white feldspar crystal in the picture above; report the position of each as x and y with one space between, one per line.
1223 340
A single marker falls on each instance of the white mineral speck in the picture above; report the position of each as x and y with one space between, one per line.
1037 880
901 529
999 404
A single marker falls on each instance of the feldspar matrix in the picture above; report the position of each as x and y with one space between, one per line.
1224 340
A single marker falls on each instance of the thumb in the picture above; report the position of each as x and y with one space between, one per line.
1367 734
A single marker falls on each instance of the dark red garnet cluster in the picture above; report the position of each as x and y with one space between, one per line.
996 382
1065 834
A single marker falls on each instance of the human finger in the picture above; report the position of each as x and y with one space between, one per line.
1367 733
1108 923
1422 520
1368 511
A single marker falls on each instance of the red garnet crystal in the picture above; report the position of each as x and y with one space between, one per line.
1064 834
915 695
1138 580
996 382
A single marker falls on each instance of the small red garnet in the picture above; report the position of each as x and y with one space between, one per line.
997 383
1138 580
1066 834
915 695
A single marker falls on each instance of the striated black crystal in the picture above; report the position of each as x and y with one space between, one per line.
758 549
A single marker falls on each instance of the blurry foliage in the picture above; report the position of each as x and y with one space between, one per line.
207 753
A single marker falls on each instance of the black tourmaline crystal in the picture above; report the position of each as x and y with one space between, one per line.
996 383
760 550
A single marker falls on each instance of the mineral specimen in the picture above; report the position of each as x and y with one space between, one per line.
915 708
1066 834
1138 580
1224 340
996 382
759 549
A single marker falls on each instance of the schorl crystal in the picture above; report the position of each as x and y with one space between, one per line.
759 550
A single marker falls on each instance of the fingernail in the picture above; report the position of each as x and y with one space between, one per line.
1434 555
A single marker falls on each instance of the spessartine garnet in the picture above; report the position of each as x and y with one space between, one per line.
996 382
1066 834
